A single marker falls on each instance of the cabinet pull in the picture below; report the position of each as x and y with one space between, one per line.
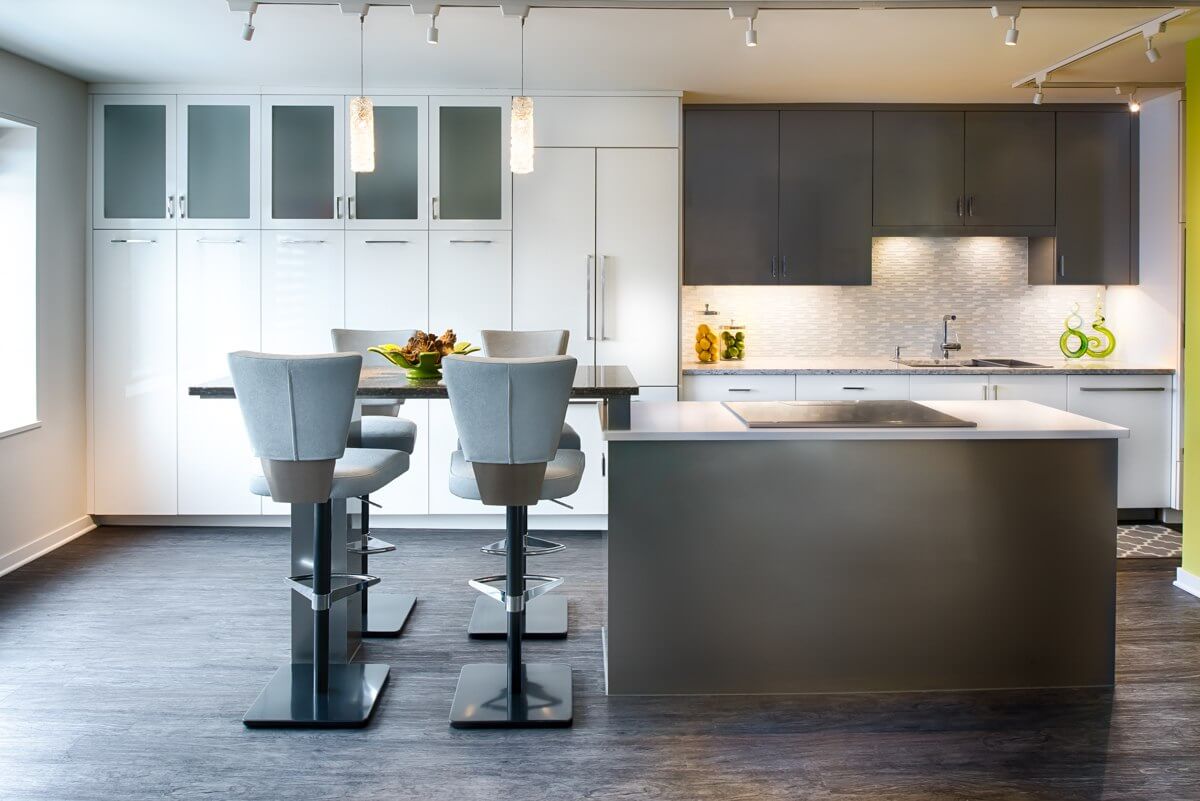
471 241
783 267
204 241
338 204
772 266
740 389
171 206
302 241
1062 266
995 392
984 388
385 241
603 464
603 314
958 206
971 206
350 206
132 241
1122 389
590 331
435 209
182 206
856 389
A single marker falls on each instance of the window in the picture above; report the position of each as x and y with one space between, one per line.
18 276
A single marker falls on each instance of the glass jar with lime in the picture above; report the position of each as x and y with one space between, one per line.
732 346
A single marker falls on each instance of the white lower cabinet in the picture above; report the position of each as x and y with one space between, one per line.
739 387
1048 390
387 280
852 387
948 387
218 302
1141 403
443 440
409 494
134 418
592 496
470 282
302 290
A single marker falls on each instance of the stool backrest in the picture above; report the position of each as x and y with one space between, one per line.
517 344
357 340
509 410
297 411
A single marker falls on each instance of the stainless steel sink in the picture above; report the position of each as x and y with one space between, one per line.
1010 363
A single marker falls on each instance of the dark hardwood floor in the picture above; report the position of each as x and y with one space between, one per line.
128 657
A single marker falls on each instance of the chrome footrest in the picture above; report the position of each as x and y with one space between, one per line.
342 585
534 546
370 546
514 603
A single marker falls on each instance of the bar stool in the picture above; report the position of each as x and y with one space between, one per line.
297 411
546 618
509 414
382 615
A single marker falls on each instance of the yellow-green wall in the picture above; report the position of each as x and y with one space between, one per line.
1191 365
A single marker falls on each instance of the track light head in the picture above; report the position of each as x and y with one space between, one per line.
1038 97
751 34
248 27
1010 36
431 33
1152 54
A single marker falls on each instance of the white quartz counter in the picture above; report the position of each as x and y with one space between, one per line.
833 365
996 419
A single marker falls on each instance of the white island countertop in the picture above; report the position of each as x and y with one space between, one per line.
995 419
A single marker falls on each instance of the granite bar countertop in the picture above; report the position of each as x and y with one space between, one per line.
865 365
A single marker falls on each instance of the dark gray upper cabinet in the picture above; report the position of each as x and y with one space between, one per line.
1094 204
731 196
1009 168
918 168
825 197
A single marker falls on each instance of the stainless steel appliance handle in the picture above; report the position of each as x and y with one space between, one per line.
591 265
1122 389
603 300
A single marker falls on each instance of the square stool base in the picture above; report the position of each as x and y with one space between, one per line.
481 699
288 701
387 614
545 619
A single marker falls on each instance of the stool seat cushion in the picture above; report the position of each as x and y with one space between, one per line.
562 476
390 433
360 471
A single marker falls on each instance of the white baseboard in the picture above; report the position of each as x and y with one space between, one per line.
1187 582
378 521
45 544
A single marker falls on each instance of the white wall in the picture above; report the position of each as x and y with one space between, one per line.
42 471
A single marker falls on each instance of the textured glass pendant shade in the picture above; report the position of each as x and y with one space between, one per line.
520 159
362 134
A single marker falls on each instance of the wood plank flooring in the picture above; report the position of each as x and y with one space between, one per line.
128 657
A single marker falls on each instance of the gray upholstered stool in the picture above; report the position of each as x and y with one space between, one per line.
509 414
382 615
546 618
297 411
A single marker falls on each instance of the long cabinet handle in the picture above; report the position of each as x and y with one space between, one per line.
132 241
302 241
219 241
856 389
1122 389
338 205
434 208
591 271
958 206
783 267
182 206
603 314
740 389
171 206
350 204
386 241
471 241
971 206
995 392
1062 266
773 263
984 388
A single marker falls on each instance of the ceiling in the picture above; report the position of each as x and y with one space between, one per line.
943 55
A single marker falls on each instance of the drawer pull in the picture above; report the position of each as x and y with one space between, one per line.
471 241
1122 389
133 241
740 389
855 388
302 241
385 241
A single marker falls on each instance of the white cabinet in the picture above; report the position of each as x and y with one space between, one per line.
302 290
739 387
304 145
133 161
470 282
554 248
1141 403
218 303
469 178
592 496
409 494
443 441
637 249
387 279
948 387
395 194
133 372
219 175
605 122
852 387
1048 390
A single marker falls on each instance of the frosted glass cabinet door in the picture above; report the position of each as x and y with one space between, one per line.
469 176
303 154
219 161
134 161
393 195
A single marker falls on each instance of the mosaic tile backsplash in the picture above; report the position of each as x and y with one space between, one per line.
915 281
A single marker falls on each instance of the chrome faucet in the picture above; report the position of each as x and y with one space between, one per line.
947 345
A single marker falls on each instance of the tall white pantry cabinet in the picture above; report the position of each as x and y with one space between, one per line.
234 222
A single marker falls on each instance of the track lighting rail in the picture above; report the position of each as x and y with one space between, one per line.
723 5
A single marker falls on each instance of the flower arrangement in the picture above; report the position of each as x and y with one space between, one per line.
422 356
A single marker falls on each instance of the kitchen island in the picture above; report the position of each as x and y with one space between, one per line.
853 559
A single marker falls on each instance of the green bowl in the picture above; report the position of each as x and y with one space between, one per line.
429 365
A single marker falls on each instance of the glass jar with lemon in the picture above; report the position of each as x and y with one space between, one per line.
707 348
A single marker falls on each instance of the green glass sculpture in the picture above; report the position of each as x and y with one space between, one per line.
1074 326
1094 348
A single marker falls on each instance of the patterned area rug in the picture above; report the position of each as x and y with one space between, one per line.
1144 541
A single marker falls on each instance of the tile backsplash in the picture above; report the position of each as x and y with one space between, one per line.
915 281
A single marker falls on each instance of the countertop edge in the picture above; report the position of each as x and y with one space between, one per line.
701 371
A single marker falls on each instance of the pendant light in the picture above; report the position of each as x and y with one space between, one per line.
520 156
362 117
